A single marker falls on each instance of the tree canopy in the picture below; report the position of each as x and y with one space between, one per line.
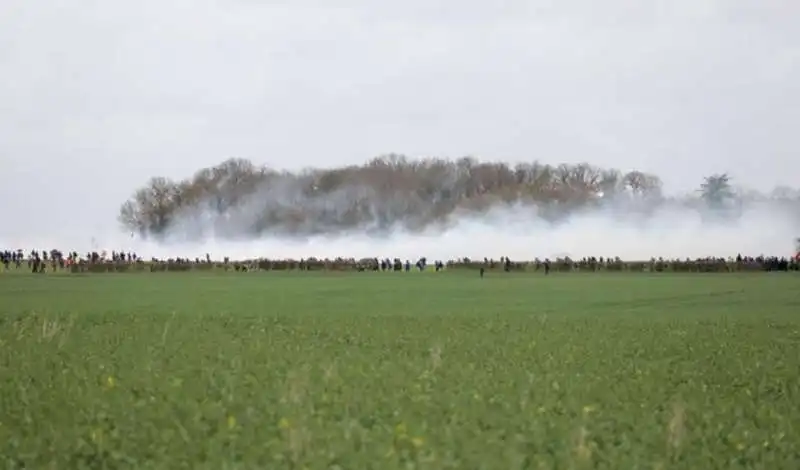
716 190
240 199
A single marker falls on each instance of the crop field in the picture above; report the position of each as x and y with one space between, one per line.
400 370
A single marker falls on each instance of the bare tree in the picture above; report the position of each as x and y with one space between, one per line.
643 185
151 208
386 191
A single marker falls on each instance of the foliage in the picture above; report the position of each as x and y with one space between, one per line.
383 372
238 198
716 190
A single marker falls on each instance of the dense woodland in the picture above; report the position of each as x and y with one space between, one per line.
238 198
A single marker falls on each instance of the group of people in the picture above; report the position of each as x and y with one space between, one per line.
39 261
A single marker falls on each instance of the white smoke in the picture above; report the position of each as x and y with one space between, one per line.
671 231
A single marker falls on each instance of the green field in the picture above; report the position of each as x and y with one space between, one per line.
400 370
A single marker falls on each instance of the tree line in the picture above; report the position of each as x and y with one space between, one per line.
238 198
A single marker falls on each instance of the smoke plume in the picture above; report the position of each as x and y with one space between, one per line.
520 233
392 207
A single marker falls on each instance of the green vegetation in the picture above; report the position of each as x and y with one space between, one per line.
399 370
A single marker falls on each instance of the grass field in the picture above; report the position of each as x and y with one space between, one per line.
388 371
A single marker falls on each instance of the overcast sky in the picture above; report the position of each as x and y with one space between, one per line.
97 96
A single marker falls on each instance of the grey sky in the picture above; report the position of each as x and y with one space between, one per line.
120 91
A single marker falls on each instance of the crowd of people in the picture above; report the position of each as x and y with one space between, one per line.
38 261
52 260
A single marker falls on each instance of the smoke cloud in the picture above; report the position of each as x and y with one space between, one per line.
669 230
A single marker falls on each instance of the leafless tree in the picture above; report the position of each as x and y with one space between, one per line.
387 191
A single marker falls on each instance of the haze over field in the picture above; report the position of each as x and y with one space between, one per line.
675 234
96 100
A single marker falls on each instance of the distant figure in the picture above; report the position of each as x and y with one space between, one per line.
482 271
546 267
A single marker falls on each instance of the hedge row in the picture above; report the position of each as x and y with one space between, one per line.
558 266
